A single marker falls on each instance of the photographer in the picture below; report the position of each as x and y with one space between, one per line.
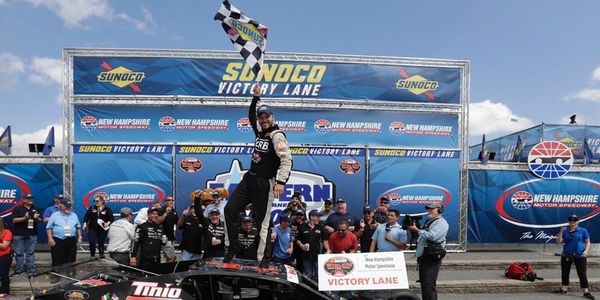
431 245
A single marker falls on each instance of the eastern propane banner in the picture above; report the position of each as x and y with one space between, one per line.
127 175
185 124
318 173
43 181
411 179
517 207
281 79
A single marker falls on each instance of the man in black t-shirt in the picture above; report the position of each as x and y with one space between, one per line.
365 228
25 220
310 241
168 219
192 235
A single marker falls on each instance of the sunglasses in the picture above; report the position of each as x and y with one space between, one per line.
385 203
168 199
342 230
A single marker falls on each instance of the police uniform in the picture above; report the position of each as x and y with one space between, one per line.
271 164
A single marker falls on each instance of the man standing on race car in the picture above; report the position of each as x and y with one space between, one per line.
269 171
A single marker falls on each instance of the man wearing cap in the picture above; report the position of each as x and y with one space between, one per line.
192 238
310 239
327 210
215 235
248 238
147 242
25 219
575 250
365 229
53 208
433 233
380 215
269 171
295 225
341 214
282 241
120 237
168 219
294 205
64 234
218 204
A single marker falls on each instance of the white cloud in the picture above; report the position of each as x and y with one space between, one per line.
2 2
12 67
596 74
46 70
75 12
489 118
592 95
21 141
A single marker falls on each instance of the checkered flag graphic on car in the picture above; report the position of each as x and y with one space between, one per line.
247 35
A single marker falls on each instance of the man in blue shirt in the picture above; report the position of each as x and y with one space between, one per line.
577 244
341 214
54 208
434 232
64 234
282 237
389 236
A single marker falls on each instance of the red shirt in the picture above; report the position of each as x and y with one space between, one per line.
337 243
6 236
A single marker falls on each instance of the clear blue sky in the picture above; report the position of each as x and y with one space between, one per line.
533 61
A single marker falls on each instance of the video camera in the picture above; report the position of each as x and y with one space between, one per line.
411 220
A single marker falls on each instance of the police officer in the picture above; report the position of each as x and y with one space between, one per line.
148 240
269 171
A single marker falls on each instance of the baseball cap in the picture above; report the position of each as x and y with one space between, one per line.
28 196
284 218
367 208
153 209
328 200
340 200
215 211
66 202
125 211
384 198
264 109
247 219
433 205
299 212
314 212
59 196
573 217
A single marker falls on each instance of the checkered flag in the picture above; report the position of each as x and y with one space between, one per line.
246 34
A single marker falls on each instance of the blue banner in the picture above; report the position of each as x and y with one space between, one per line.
184 124
134 176
504 147
281 79
43 181
517 207
412 179
318 173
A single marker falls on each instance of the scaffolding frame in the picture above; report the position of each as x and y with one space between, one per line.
461 109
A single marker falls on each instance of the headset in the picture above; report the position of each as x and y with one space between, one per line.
441 209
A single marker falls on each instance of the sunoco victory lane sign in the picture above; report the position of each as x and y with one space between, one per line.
362 271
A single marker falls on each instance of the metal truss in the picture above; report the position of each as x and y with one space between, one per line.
9 159
461 110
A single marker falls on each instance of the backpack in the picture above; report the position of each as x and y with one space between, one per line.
521 271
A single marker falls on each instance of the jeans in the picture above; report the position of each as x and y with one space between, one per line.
580 266
5 262
310 269
185 255
25 246
285 261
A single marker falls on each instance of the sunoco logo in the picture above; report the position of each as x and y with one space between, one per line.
574 145
166 123
396 128
121 77
244 125
89 123
550 159
417 85
322 126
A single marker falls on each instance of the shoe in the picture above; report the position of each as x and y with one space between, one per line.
16 273
588 296
560 291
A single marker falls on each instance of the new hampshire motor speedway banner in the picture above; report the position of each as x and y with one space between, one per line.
281 79
43 181
412 179
518 207
127 175
318 173
186 124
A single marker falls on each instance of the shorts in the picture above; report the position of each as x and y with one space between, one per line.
168 250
